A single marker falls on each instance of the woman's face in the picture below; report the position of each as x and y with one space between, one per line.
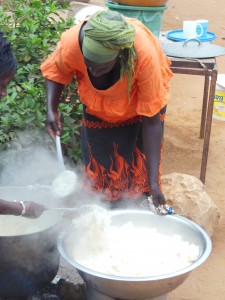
98 70
3 84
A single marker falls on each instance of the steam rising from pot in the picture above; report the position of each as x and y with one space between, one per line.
31 172
29 246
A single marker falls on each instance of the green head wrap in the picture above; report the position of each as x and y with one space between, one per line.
105 35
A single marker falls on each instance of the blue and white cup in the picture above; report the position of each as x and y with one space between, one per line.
205 24
190 29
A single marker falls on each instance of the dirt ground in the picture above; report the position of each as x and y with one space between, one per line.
183 148
182 151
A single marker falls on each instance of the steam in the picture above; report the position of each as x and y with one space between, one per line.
27 163
28 166
30 171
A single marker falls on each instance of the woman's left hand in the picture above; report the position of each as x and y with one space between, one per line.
157 197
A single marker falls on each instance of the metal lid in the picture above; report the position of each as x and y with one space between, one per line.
192 48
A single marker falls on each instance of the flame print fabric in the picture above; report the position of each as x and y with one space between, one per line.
113 157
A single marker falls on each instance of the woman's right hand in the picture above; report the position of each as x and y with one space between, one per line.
54 124
53 91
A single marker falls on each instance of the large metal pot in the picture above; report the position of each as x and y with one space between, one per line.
28 263
104 286
29 258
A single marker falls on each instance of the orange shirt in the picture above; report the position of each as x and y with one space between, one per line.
150 84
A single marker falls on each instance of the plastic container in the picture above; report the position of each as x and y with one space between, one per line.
142 2
151 17
219 99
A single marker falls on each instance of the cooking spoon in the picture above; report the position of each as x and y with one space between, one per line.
59 152
74 209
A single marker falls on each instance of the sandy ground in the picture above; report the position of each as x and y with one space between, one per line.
183 148
182 151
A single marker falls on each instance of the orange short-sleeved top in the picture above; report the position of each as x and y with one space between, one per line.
150 84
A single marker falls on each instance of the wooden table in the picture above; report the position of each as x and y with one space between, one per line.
206 68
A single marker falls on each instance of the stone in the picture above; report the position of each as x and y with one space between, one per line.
187 195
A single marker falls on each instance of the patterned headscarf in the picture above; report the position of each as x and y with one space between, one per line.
105 35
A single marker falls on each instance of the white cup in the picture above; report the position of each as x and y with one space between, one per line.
205 24
190 29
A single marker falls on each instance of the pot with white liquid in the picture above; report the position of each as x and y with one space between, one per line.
29 257
164 240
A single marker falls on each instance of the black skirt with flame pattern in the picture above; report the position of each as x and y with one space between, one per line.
113 157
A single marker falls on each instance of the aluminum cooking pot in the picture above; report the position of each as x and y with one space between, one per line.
28 263
29 257
105 286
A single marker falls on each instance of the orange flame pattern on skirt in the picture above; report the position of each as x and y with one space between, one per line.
121 180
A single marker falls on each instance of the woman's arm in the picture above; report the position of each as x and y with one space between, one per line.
27 209
53 94
10 208
152 139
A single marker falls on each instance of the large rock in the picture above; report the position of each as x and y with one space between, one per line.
187 195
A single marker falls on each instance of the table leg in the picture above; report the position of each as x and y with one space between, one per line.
204 106
208 126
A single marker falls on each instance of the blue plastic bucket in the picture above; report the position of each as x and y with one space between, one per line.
150 16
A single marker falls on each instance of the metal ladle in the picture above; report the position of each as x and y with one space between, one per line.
59 152
78 209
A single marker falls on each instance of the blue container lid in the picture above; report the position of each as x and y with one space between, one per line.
178 36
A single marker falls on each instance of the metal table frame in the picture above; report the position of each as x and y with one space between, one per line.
208 69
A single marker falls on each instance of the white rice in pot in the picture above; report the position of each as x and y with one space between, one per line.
128 250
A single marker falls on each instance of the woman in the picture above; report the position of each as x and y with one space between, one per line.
7 65
7 71
123 82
